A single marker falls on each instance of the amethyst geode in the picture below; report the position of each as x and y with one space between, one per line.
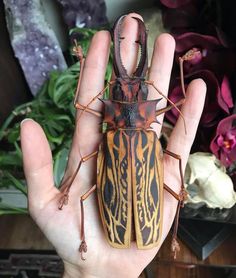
33 41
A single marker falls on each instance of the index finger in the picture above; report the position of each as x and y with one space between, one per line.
86 136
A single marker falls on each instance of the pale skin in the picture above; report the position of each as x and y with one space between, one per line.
62 227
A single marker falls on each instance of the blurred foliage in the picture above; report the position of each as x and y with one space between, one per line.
53 109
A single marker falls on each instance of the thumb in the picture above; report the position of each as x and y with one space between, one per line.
38 165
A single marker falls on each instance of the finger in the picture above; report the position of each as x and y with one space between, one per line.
37 161
160 71
87 136
181 142
95 68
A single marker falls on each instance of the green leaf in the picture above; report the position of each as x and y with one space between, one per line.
17 184
6 209
9 159
60 162
13 211
51 84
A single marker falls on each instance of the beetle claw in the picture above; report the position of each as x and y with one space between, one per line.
175 248
83 249
63 201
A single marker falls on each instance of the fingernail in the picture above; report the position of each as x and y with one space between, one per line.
25 120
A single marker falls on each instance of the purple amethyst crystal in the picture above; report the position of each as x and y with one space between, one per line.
34 42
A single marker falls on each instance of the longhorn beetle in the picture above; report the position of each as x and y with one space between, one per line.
130 157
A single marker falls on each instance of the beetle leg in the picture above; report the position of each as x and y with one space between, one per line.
83 245
86 108
65 187
169 107
180 197
170 101
178 157
77 49
169 190
109 83
89 110
191 54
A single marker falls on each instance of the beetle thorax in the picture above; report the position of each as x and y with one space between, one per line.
129 90
126 115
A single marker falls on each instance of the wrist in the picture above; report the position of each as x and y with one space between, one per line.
78 274
72 271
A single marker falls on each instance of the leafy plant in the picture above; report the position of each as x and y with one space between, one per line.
53 109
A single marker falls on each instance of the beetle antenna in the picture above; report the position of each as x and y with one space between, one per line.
190 55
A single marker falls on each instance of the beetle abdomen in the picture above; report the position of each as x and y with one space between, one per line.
130 183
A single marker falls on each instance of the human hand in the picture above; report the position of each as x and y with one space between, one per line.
62 227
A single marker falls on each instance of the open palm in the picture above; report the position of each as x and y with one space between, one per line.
62 227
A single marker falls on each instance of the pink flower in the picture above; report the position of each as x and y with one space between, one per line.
224 143
213 55
212 62
218 100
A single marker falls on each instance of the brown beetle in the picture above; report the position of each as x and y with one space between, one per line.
129 160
